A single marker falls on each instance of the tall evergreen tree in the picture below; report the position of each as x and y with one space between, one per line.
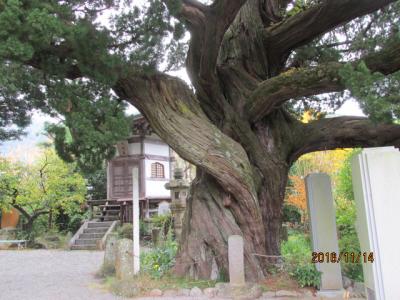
254 66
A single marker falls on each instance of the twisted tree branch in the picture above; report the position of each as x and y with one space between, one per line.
325 78
345 132
207 25
303 27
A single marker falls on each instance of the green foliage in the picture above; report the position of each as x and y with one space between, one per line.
377 94
348 240
70 223
346 217
291 214
53 240
296 252
164 222
307 275
94 122
97 184
47 185
125 231
144 228
159 260
344 185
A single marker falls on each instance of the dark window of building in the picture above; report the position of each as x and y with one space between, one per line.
157 170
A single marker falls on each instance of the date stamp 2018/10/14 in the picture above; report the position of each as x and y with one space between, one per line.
347 257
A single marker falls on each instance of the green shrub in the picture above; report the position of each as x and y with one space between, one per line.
53 240
306 275
348 240
158 261
296 252
144 228
291 214
125 231
164 222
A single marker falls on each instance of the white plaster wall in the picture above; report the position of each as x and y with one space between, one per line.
155 187
134 148
156 149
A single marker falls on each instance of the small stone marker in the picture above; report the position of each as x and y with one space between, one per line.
236 260
124 259
110 253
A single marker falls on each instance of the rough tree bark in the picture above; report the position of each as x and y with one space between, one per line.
234 127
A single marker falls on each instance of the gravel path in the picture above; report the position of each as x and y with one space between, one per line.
51 275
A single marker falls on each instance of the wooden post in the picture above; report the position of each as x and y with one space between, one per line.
135 210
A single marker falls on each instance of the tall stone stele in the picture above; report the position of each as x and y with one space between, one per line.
179 188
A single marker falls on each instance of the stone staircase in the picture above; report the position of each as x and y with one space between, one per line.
89 236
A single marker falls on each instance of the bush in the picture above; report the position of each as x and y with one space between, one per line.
348 240
144 228
291 214
345 219
158 261
296 252
125 231
53 240
306 275
164 222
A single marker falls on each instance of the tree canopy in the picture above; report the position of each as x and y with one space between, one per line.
49 185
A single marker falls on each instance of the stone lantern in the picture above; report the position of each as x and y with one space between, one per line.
179 188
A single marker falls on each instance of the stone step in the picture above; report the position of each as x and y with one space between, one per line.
102 230
112 212
99 224
109 218
86 241
111 206
91 235
83 247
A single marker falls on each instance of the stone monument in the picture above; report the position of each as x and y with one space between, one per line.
236 260
124 259
376 179
324 234
179 188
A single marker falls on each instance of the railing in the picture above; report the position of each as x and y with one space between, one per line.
101 244
126 214
95 204
76 235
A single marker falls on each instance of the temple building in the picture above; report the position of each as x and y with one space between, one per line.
154 159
